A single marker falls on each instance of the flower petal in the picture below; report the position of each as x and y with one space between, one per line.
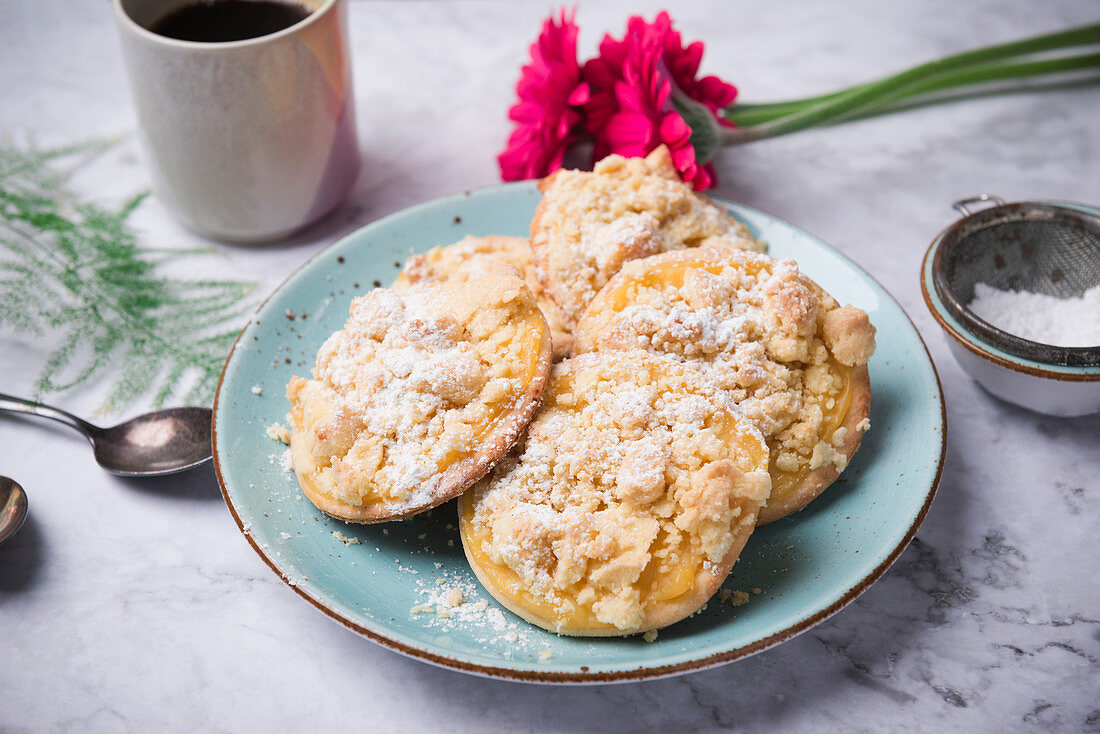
630 109
549 88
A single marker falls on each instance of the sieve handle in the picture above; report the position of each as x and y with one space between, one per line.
961 208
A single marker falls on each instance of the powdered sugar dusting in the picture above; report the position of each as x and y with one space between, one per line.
405 389
1038 317
699 332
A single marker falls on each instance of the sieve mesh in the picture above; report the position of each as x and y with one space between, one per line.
1030 246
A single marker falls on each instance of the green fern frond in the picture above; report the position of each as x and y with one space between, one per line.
75 269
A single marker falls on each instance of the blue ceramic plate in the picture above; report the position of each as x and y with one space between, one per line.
379 580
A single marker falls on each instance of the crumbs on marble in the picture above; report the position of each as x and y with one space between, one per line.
346 539
546 654
650 636
257 390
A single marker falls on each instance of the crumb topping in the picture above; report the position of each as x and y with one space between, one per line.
590 223
632 478
849 335
415 383
439 262
780 345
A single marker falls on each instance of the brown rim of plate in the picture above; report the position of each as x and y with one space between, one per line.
970 341
626 676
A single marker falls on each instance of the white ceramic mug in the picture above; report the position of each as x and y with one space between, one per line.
246 140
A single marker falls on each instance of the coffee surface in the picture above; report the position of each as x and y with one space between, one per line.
214 21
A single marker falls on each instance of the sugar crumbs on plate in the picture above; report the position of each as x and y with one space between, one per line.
735 598
346 539
278 432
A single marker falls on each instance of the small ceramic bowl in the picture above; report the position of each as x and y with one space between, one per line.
1046 247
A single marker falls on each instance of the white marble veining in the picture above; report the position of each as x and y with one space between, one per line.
137 606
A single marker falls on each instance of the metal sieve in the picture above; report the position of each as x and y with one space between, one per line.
1033 246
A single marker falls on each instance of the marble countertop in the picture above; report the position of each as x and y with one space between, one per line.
138 606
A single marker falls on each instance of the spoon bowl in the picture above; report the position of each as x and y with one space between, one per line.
13 507
161 442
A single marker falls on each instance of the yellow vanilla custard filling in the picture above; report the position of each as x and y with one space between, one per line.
785 481
625 504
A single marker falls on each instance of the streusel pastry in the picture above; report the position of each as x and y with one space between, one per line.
419 394
439 262
793 359
626 503
589 223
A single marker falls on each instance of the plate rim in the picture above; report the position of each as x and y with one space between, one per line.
643 672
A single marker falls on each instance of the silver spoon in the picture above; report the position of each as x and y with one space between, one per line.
162 442
13 507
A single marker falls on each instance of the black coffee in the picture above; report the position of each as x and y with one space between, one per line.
214 21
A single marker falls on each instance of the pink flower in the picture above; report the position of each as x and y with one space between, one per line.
683 63
547 115
633 81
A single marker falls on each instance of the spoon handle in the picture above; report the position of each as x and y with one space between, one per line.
20 405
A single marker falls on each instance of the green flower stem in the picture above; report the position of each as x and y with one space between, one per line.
746 115
749 115
854 100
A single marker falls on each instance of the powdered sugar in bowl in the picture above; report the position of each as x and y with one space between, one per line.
1016 289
